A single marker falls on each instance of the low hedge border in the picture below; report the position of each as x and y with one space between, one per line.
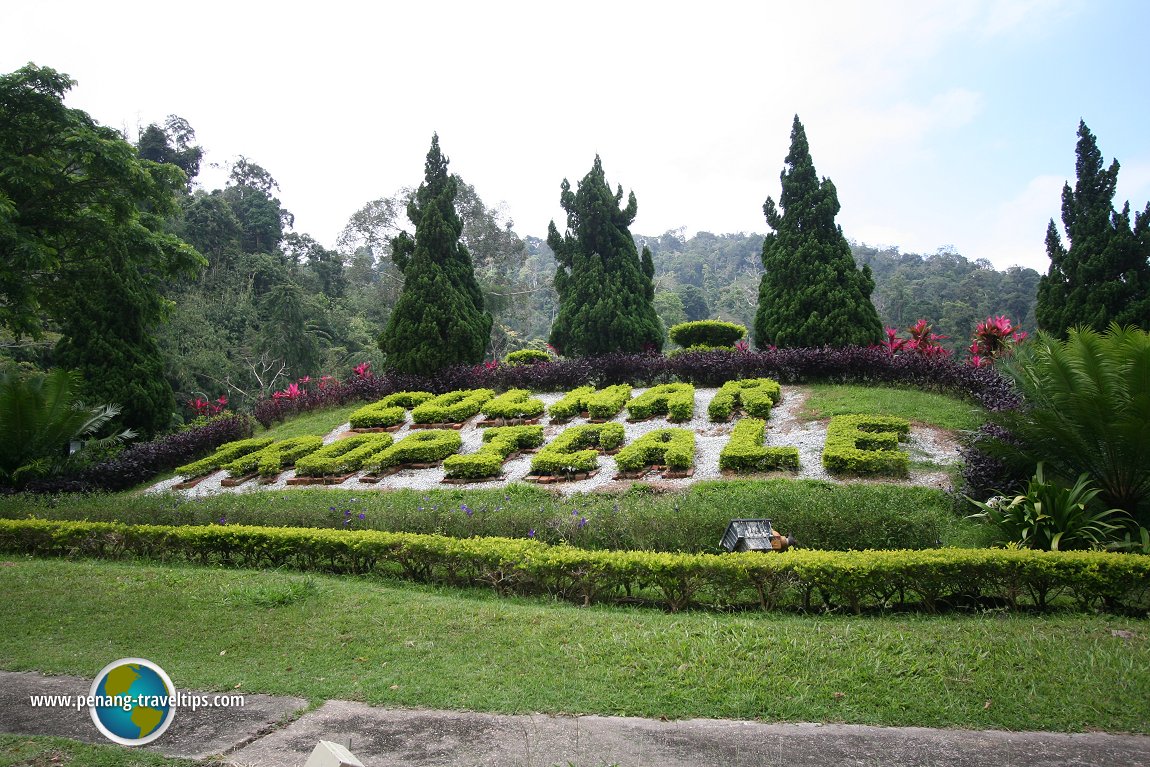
673 448
514 403
675 400
498 443
453 407
754 395
224 454
274 458
343 456
429 446
389 411
866 444
577 449
855 580
745 451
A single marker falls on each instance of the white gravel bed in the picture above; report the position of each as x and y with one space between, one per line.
783 428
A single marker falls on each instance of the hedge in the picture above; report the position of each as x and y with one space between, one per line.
343 456
225 454
274 458
514 403
572 403
576 449
866 444
498 443
527 357
430 446
746 452
602 404
453 407
701 334
675 400
673 448
855 580
389 411
756 396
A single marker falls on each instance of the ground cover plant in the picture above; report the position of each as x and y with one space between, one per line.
430 446
673 448
675 400
576 449
452 407
866 444
389 411
756 396
746 452
40 751
499 442
343 456
406 645
827 401
514 403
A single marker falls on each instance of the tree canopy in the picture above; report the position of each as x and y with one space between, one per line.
813 294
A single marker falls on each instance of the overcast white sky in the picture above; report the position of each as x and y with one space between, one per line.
941 123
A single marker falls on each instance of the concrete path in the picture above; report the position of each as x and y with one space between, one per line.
268 733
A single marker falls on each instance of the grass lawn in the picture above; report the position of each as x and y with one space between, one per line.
27 751
318 422
826 401
397 644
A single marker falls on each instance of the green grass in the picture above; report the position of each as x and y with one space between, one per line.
319 422
37 751
827 401
403 645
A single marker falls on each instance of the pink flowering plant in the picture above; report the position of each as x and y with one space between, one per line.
920 340
994 338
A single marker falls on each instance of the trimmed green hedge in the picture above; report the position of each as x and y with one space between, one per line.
428 446
527 357
577 449
343 456
453 407
498 443
675 400
854 580
513 403
706 333
572 404
673 448
274 458
225 454
389 411
746 452
754 395
604 403
867 444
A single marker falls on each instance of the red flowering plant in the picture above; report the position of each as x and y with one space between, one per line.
995 337
921 340
363 370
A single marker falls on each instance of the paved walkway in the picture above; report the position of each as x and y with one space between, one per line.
271 732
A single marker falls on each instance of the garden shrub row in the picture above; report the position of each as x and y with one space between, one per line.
745 452
389 411
577 449
599 404
224 455
343 456
514 403
452 407
673 448
857 580
498 443
430 446
674 400
866 444
755 396
274 458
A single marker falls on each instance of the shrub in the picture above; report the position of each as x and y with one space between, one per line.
572 404
343 456
754 395
389 411
746 452
574 450
430 446
498 443
453 407
607 402
866 444
274 458
676 401
706 333
527 357
514 403
673 448
224 455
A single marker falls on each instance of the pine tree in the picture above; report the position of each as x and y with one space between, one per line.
1104 276
813 293
438 320
605 288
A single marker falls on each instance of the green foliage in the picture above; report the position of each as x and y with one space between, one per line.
603 403
40 417
498 443
527 357
224 455
676 401
576 448
812 294
605 289
274 458
572 404
866 444
389 411
1051 517
673 448
745 451
1087 409
829 400
1104 276
452 407
514 403
429 446
439 319
706 333
343 456
754 395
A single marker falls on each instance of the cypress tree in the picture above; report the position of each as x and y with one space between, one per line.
605 288
1104 276
813 293
438 320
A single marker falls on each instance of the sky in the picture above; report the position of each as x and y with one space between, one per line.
942 124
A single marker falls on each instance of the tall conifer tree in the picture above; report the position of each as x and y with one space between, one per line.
1104 276
813 293
605 288
438 320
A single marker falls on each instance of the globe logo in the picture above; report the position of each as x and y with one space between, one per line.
132 701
